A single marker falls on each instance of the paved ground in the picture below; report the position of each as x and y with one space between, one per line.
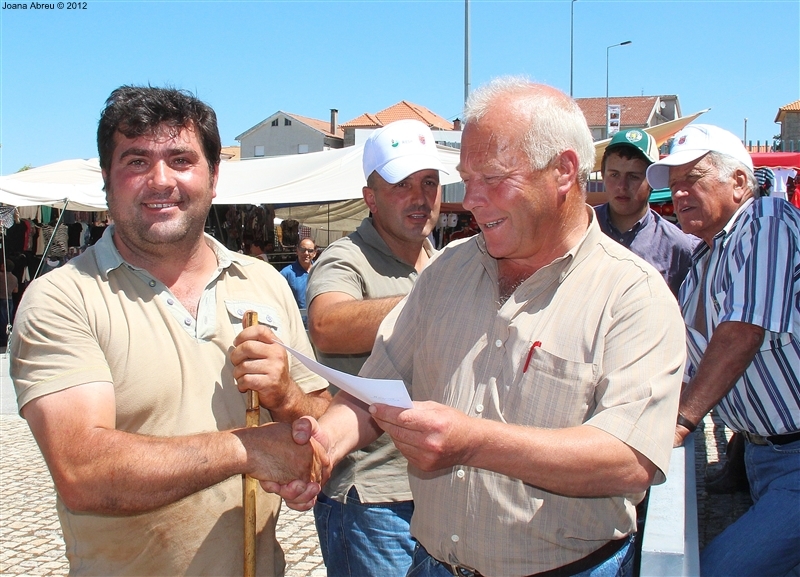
30 535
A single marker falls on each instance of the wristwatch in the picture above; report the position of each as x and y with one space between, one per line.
686 423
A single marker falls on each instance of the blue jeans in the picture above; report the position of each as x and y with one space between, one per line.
364 539
618 565
766 539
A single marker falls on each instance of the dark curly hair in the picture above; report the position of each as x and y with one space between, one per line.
139 110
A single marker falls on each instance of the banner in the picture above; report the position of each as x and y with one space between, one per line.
613 119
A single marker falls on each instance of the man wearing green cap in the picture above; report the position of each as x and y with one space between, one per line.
627 217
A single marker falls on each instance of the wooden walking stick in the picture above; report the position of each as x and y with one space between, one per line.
250 485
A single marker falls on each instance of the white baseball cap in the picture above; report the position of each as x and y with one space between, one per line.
691 143
399 149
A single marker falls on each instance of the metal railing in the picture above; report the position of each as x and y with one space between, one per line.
773 145
670 540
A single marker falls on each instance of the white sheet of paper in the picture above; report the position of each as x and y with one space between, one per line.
387 391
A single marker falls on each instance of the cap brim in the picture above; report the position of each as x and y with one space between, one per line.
658 172
399 168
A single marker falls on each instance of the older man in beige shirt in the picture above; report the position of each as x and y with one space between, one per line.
544 359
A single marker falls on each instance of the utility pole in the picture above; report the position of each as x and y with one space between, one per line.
466 50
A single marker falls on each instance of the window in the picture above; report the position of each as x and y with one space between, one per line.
287 122
302 148
275 122
259 150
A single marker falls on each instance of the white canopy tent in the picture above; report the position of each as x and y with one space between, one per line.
317 178
75 182
314 178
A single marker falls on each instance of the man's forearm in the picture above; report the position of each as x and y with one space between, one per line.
349 326
314 403
113 472
730 351
120 473
348 425
579 461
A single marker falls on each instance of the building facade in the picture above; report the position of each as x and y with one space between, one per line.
285 133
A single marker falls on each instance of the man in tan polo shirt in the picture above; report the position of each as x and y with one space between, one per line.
126 362
543 358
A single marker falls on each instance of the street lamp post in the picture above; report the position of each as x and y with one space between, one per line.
608 49
571 28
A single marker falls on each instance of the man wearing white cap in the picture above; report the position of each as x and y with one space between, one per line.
741 305
627 216
364 513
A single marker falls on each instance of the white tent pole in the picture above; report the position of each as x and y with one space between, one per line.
50 242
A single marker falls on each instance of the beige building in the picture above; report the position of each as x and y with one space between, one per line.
285 133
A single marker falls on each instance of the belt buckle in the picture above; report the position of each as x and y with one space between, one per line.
459 571
452 568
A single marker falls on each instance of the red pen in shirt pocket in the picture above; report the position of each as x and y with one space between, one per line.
530 354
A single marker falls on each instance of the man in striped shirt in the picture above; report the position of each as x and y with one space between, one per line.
741 305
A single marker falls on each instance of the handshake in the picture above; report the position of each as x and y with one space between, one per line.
290 460
431 436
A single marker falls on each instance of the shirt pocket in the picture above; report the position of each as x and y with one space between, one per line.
268 315
552 393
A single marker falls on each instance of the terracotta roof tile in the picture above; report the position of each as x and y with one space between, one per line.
791 107
366 120
400 111
635 110
321 125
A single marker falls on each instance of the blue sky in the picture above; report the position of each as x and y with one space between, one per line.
249 59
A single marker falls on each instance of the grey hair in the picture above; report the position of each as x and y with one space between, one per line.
726 165
555 121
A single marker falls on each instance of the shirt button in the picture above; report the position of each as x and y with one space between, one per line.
454 538
498 343
152 283
479 409
187 322
170 302
460 473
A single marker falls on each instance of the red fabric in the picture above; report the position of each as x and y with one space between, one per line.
776 159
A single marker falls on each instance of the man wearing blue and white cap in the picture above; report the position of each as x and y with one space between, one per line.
364 512
741 305
627 216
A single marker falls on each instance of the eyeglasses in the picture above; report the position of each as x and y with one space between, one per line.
308 250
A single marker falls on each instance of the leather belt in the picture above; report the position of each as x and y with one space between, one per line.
772 439
592 559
